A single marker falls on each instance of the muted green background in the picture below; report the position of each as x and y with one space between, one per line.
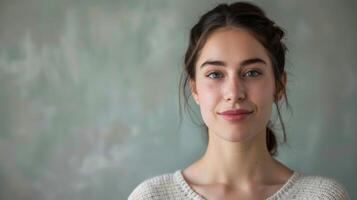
88 93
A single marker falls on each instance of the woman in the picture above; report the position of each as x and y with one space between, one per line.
234 67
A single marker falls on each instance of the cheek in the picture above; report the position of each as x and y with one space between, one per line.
262 97
209 96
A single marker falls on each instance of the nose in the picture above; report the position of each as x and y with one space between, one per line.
234 90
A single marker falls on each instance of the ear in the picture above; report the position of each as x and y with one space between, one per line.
194 91
281 92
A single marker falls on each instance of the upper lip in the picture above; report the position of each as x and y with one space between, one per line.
235 112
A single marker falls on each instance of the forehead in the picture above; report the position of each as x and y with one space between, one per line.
232 45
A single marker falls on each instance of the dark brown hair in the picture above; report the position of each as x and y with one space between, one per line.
251 18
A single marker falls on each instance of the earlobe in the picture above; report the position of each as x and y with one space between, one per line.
194 91
282 91
280 95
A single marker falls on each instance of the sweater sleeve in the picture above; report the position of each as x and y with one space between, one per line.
317 187
158 187
336 191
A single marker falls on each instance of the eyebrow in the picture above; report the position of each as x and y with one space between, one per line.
242 64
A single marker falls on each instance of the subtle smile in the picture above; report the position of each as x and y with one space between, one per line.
235 114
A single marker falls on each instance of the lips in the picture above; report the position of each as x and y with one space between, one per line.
235 112
235 115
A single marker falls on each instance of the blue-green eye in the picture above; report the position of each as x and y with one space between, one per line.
215 75
252 73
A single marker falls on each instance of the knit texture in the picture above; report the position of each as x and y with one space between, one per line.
174 186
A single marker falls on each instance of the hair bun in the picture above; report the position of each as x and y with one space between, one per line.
278 32
246 9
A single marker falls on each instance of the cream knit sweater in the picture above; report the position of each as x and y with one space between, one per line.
173 186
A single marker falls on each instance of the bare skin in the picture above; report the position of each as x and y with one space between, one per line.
237 163
270 176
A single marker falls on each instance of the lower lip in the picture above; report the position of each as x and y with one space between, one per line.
235 117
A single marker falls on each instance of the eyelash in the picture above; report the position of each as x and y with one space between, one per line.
215 72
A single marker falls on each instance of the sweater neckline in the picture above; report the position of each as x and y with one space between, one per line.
189 192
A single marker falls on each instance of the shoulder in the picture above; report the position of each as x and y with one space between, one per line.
157 187
321 187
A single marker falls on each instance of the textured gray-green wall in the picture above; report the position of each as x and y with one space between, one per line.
88 93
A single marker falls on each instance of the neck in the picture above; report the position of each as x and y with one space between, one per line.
234 163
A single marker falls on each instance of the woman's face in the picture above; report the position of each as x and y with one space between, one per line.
233 71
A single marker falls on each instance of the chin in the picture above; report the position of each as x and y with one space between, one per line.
235 138
235 135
